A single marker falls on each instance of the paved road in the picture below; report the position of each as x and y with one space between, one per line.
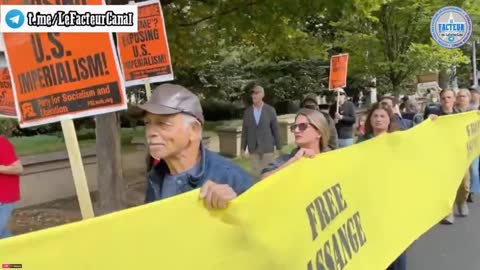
453 247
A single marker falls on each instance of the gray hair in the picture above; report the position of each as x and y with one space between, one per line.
189 121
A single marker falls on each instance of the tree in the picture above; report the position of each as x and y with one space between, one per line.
111 183
392 42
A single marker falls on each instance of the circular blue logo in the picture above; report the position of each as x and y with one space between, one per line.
14 18
451 27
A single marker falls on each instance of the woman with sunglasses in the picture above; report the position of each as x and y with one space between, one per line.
311 137
382 120
310 102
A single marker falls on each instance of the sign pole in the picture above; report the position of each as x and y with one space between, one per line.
148 88
338 100
474 62
78 170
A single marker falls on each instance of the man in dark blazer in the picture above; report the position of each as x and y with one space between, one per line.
260 131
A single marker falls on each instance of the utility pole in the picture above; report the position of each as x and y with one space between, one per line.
474 62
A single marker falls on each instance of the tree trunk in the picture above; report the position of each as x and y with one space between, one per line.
111 185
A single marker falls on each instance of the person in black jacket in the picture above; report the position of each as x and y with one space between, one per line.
344 119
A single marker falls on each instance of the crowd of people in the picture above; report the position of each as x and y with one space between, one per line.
178 162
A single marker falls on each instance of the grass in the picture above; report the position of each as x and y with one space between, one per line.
50 143
42 144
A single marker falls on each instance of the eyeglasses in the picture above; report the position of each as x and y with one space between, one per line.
301 127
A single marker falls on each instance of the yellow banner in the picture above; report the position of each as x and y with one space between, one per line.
355 208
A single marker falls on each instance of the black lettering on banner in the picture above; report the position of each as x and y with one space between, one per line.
328 256
341 203
36 42
322 212
5 84
313 220
145 61
72 70
473 133
352 235
344 241
347 240
58 51
3 98
151 72
362 238
331 205
339 260
73 101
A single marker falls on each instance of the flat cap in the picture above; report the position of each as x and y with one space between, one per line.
172 99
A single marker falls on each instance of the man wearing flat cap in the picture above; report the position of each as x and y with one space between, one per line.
174 120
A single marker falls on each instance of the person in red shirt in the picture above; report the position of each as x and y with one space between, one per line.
10 170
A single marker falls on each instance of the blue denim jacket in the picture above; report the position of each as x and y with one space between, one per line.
279 161
212 167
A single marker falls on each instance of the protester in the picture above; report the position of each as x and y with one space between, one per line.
310 102
475 101
382 120
447 107
412 113
311 137
10 170
463 100
403 104
173 127
474 105
360 130
344 118
464 104
403 124
260 131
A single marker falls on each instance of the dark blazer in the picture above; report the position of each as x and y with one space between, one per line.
262 138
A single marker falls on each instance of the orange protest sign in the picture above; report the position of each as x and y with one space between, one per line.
7 104
145 54
338 71
59 76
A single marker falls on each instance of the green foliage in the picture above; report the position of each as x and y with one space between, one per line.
393 43
433 57
7 126
219 46
285 80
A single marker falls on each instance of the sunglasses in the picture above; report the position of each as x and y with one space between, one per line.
342 94
301 127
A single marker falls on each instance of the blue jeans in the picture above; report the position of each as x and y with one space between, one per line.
400 263
345 142
6 210
475 176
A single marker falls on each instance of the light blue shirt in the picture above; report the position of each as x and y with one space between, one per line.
257 113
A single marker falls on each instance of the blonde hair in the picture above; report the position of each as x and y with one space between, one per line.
466 92
316 119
